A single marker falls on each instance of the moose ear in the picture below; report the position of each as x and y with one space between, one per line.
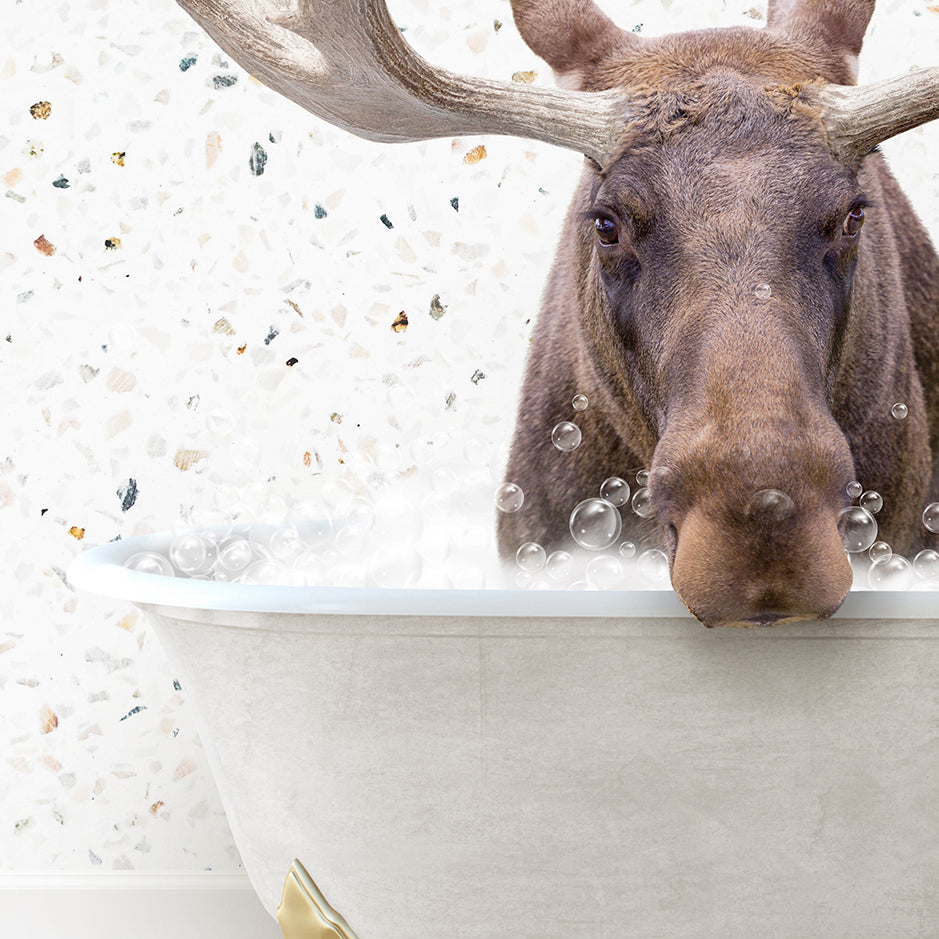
572 36
839 25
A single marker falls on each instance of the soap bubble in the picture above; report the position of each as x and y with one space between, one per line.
531 557
763 291
566 436
595 524
361 512
260 572
926 565
627 550
931 516
872 501
642 477
285 544
604 572
853 489
560 566
190 553
771 504
349 575
858 529
580 402
642 504
899 411
653 565
509 497
615 491
892 573
149 562
351 541
524 580
878 550
396 567
234 555
311 567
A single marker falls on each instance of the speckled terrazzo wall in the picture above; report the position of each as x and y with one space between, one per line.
198 289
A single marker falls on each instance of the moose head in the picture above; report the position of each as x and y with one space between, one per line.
741 289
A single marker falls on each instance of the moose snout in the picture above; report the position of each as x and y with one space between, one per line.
758 571
757 542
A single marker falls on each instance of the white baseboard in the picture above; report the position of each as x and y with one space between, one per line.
118 904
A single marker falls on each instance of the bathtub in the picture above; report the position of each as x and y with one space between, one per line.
478 764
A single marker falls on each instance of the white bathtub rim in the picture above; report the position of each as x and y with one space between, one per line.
100 570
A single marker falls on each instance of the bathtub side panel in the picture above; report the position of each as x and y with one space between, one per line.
650 782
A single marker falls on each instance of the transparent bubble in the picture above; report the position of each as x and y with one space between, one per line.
642 504
509 497
604 572
642 477
260 572
149 562
396 567
853 489
531 557
192 553
524 580
348 575
926 565
627 550
878 550
892 573
931 516
595 524
763 291
872 501
361 512
580 402
234 555
858 529
285 544
351 541
615 490
220 422
566 436
899 411
653 565
539 585
771 504
311 567
560 566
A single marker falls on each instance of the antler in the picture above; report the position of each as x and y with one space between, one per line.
345 61
859 118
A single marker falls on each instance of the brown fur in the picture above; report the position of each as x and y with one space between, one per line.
726 182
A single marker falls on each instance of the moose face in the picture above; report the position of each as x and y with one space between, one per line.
712 292
723 252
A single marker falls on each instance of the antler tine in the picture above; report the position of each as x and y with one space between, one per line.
345 61
859 118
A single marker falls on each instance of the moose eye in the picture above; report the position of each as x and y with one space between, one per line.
606 231
853 222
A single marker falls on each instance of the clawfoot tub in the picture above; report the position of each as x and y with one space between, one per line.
474 764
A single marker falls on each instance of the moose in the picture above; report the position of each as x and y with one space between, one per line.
741 288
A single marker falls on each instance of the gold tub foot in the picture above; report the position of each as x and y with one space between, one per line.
303 912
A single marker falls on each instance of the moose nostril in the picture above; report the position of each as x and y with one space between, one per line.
771 505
